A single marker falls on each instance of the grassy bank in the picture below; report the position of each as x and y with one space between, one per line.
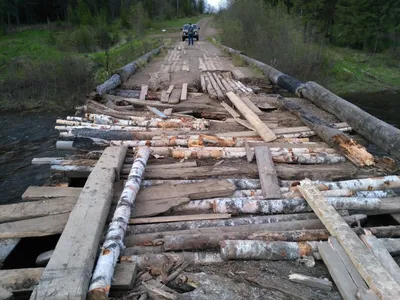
55 69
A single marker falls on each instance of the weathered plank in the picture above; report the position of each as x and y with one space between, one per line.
267 173
252 106
319 283
170 89
175 96
6 247
124 276
375 275
36 209
184 94
358 280
70 267
245 123
164 97
230 110
198 190
20 279
156 207
143 92
157 112
338 271
168 219
262 129
188 164
48 192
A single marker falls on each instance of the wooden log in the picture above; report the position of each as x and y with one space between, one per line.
374 130
20 279
219 83
216 87
102 276
125 93
262 129
378 279
267 173
143 92
314 282
226 85
209 237
210 89
184 95
157 112
382 254
110 84
337 139
177 219
259 250
202 66
338 271
68 272
7 246
190 224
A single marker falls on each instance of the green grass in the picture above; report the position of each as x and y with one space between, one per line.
354 71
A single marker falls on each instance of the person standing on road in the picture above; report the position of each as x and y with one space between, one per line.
190 34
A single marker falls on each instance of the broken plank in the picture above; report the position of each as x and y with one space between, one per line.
170 89
168 111
319 283
244 123
184 95
157 207
358 280
230 110
143 92
252 106
36 209
168 219
374 274
175 96
194 191
267 173
338 271
68 272
157 112
124 276
262 129
250 153
164 97
43 226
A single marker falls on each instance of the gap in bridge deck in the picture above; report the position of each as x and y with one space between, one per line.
28 249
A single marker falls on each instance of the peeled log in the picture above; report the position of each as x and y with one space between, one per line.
355 152
261 128
108 85
111 250
374 130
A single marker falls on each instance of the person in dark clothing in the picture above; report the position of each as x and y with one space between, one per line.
190 34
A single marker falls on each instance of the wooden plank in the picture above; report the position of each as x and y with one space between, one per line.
168 219
43 226
168 111
19 279
194 191
44 160
230 110
358 280
188 164
36 209
262 129
175 96
314 282
246 124
267 173
170 89
157 112
252 106
143 92
184 95
383 255
374 274
68 272
156 207
250 153
6 247
124 276
164 97
40 192
338 271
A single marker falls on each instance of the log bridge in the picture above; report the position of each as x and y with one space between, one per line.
226 170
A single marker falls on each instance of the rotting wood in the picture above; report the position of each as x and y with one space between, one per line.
214 84
111 249
267 173
230 110
338 272
159 291
65 276
177 219
40 192
382 254
143 92
252 106
210 89
175 96
314 282
378 279
184 94
157 112
262 129
358 280
164 96
339 140
20 279
157 207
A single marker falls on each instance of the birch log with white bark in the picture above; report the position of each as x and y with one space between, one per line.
104 271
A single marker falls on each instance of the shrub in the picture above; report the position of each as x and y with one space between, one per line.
83 39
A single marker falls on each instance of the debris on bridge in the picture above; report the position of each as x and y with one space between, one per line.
196 165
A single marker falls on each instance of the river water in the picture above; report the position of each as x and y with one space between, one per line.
24 137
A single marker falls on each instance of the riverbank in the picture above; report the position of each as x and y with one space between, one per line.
37 74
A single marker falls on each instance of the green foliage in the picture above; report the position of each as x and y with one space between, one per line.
84 15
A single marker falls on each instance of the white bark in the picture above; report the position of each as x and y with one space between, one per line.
104 271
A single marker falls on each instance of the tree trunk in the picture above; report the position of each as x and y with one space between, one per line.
110 84
104 271
334 137
374 130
